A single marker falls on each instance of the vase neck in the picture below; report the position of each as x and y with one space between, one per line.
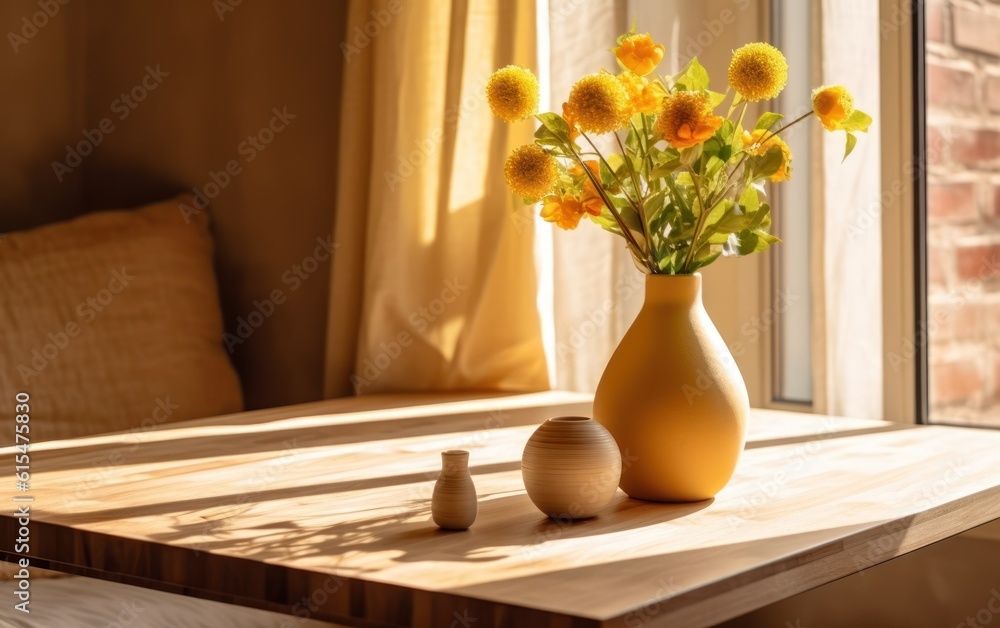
673 289
454 462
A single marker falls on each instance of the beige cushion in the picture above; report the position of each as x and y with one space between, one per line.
111 322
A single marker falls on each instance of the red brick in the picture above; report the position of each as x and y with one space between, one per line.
952 318
976 29
975 146
934 22
992 92
950 87
955 381
951 201
978 262
937 259
989 316
936 146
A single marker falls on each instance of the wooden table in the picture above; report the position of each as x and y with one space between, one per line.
323 510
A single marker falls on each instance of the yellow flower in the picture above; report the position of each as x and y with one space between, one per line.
639 54
686 119
512 93
530 172
758 71
599 103
591 199
570 119
754 146
565 210
832 105
643 96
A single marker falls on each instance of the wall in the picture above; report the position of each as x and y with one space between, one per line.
963 93
224 67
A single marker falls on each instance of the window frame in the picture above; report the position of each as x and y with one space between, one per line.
904 215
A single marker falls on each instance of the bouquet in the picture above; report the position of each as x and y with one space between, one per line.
687 185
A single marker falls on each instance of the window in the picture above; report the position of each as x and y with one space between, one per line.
790 285
961 48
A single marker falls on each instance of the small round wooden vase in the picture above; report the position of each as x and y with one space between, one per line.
454 505
571 467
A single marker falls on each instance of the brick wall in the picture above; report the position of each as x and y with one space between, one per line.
963 133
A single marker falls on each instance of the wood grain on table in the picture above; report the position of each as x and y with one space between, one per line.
323 510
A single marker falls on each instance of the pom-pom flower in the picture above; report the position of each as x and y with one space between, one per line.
686 119
833 105
512 93
754 146
599 103
531 172
639 54
643 96
758 71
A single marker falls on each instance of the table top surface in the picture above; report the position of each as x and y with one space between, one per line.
331 502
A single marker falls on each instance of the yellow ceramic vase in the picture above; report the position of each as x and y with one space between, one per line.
673 398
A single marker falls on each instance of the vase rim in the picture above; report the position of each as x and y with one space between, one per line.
569 419
688 276
454 452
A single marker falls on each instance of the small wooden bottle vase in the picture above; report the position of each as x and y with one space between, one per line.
454 505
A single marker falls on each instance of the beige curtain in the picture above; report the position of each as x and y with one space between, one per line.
847 270
597 290
433 281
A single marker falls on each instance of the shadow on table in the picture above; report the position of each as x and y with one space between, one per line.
409 534
203 439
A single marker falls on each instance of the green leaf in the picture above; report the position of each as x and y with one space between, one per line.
684 207
713 166
693 77
858 121
749 200
765 165
554 123
731 223
767 120
760 220
716 98
607 176
606 221
632 141
664 171
852 139
654 206
690 156
746 242
705 256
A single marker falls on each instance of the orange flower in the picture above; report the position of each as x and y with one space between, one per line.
833 105
639 53
687 119
565 210
567 114
591 199
643 96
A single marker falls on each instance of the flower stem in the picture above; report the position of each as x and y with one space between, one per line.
641 208
611 170
697 225
787 126
626 233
